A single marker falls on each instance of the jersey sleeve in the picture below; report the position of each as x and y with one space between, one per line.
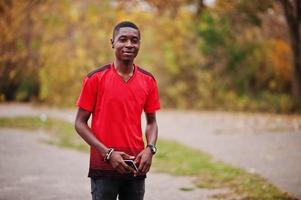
152 102
87 97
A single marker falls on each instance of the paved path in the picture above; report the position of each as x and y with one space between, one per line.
265 144
32 169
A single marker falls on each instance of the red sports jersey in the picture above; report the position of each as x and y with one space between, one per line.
116 108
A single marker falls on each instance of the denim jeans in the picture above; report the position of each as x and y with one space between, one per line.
109 189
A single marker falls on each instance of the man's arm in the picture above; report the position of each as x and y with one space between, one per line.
145 156
82 128
151 129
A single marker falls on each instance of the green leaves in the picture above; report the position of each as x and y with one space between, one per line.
201 59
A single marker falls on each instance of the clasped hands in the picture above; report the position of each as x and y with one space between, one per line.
143 161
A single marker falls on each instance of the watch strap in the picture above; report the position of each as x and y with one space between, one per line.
152 148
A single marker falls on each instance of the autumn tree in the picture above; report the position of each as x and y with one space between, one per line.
292 13
19 49
232 55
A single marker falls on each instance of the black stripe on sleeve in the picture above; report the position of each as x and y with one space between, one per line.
99 69
145 72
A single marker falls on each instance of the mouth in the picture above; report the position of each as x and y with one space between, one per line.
129 53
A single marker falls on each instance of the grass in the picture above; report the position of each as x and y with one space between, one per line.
180 160
63 133
172 158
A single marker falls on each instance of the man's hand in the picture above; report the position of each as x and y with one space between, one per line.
144 159
116 161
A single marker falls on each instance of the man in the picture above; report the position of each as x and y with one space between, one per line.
115 95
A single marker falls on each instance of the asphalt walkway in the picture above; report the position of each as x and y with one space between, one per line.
32 169
269 145
266 144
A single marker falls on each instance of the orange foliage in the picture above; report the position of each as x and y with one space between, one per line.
281 58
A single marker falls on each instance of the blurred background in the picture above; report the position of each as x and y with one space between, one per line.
220 55
216 55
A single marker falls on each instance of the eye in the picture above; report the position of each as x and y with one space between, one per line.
135 40
123 39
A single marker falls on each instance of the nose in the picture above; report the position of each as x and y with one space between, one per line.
129 43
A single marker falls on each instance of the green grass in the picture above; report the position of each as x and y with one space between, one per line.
63 133
172 158
180 160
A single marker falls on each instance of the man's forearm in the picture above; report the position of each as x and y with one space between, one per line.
151 133
86 133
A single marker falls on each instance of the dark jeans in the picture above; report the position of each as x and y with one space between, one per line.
109 189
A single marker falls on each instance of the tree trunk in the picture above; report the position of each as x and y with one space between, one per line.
292 12
200 7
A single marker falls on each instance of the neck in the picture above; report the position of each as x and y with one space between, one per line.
124 67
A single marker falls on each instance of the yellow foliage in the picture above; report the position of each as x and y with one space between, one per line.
73 37
281 57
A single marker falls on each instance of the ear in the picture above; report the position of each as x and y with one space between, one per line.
112 43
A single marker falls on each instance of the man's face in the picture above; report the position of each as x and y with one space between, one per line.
126 44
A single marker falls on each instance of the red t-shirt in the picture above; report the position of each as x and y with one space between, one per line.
116 108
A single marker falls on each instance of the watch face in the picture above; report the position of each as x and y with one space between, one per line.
152 148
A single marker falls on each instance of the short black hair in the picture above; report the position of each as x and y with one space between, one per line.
124 24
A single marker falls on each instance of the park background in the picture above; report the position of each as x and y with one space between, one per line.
224 68
236 55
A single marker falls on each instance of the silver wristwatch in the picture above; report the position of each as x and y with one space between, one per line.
152 148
